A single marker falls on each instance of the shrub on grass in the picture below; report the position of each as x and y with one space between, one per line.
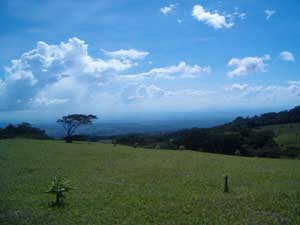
58 188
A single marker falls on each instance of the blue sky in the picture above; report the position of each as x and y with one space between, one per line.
118 58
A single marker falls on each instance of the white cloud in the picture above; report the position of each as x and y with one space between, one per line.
236 14
215 20
269 95
134 93
242 16
126 54
287 56
248 65
238 87
61 73
244 88
182 70
168 9
153 97
269 13
66 78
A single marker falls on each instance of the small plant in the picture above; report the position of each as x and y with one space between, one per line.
58 188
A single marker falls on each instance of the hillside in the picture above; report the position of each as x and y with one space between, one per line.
249 136
287 136
123 185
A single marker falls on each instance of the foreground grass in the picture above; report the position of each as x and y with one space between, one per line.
122 185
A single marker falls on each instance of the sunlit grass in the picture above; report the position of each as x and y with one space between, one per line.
123 185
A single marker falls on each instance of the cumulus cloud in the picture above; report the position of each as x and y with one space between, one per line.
126 54
248 65
53 74
182 70
269 13
214 19
168 9
287 56
66 77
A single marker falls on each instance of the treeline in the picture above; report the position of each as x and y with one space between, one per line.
24 130
243 136
283 117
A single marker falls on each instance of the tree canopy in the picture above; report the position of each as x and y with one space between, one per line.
73 121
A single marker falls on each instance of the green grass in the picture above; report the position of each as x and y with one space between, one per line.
123 185
287 135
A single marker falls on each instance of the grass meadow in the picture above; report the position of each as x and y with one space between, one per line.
124 185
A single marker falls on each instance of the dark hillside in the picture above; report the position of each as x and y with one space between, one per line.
242 136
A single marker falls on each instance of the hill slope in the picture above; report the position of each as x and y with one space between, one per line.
122 185
242 136
287 136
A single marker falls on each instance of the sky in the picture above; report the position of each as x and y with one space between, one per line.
125 58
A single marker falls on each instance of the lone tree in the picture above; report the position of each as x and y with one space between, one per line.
72 122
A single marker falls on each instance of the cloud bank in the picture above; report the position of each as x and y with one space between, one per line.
66 78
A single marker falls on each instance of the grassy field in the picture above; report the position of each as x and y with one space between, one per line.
122 185
287 135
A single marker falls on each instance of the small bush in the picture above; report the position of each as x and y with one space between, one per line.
58 188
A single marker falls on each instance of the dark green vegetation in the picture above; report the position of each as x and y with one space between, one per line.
261 136
24 130
124 185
